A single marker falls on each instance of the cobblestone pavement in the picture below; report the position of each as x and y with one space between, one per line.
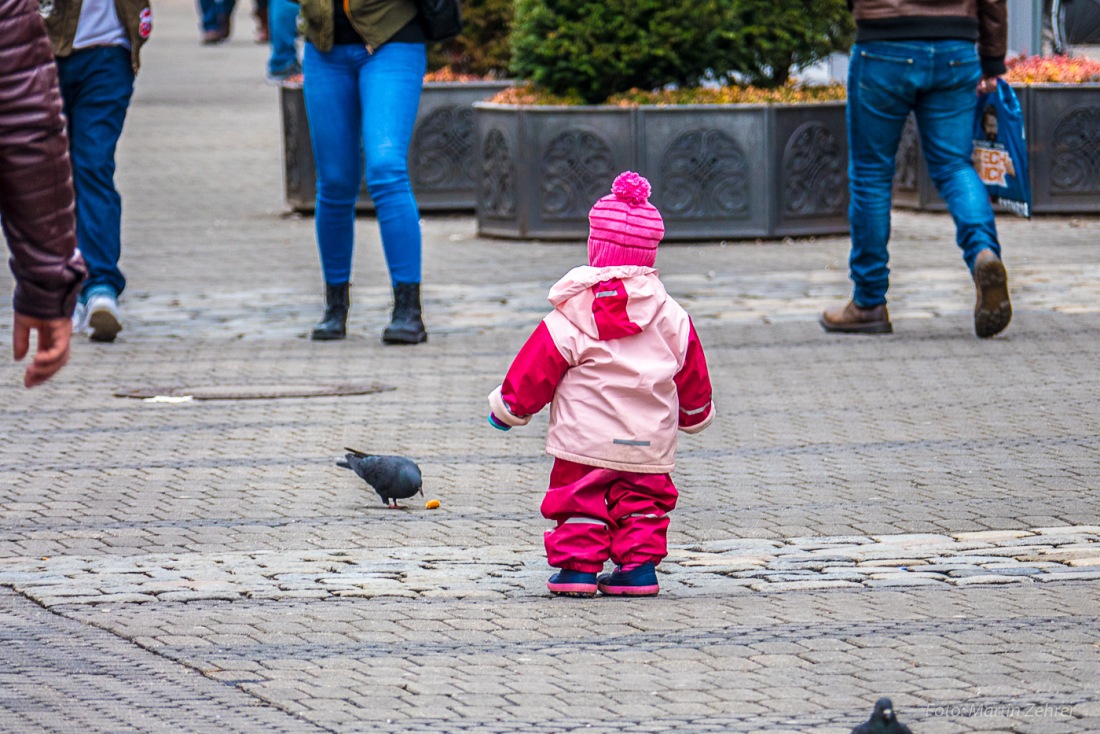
913 515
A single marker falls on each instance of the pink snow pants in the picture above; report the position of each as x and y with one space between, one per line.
606 513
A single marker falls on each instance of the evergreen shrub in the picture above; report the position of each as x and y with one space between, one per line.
593 49
482 50
767 40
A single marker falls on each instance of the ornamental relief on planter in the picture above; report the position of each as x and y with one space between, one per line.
498 181
576 167
704 173
813 172
442 154
713 174
1076 164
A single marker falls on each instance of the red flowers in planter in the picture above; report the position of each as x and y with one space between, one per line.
527 94
1057 69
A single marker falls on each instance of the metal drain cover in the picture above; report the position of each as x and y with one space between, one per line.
253 392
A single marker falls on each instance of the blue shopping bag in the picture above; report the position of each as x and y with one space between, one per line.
1000 149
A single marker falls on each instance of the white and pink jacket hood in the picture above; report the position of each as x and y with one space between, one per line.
621 366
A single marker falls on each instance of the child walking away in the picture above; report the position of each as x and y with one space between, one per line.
620 364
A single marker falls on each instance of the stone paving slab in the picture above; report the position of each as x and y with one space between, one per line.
496 572
789 462
58 675
752 663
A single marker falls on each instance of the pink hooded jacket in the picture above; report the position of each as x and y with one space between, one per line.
622 367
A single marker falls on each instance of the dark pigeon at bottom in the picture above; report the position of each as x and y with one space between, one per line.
392 477
882 721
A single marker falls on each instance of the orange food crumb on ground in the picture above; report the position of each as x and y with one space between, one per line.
431 504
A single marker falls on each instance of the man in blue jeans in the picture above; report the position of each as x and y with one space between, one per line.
97 44
920 56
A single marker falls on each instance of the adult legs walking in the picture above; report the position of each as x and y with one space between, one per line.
283 30
216 19
351 96
96 86
937 81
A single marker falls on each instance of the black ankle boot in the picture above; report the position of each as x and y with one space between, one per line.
334 324
406 326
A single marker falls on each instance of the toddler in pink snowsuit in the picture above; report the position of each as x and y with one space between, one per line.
621 366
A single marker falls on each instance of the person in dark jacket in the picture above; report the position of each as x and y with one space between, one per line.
928 57
36 192
97 44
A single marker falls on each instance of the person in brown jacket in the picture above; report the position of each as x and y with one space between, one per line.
36 192
929 58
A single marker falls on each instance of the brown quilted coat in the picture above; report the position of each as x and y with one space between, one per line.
36 184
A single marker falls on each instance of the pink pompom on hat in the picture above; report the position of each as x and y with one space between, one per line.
624 228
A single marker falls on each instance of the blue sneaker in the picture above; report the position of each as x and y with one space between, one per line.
638 581
572 583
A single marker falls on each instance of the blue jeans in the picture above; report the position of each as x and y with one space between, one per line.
352 97
96 85
282 20
937 80
215 14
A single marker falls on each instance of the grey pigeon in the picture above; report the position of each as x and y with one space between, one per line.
392 477
882 721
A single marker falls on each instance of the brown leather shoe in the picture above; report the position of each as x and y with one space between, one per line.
993 310
851 319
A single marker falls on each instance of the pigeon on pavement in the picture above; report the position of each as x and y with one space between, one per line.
882 721
392 477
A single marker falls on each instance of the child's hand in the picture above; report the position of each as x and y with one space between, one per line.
496 423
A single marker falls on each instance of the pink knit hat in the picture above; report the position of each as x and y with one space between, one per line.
625 228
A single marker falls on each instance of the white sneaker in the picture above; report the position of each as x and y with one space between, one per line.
80 318
103 318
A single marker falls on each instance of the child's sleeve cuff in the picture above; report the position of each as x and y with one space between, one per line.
503 413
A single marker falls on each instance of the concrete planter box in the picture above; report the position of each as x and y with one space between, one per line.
1063 144
441 155
718 171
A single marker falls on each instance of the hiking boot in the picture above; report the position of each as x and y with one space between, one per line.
993 310
852 319
572 583
102 317
640 580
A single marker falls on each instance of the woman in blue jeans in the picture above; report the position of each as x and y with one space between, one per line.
364 67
